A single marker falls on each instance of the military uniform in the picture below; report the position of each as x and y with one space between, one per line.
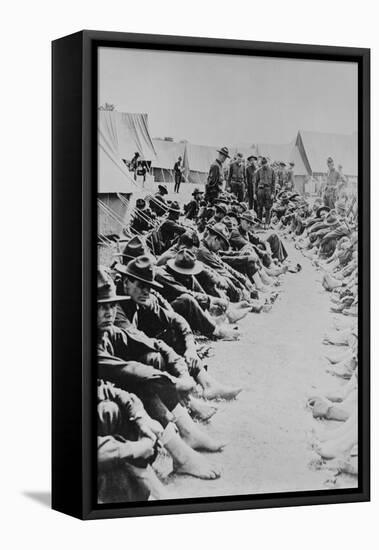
250 179
214 183
117 414
236 179
265 190
330 191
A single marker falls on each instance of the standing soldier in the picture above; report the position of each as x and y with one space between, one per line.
178 171
134 164
333 178
250 178
236 178
290 178
213 186
264 190
281 175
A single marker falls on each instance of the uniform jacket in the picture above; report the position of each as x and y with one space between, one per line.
250 176
169 230
215 180
265 178
174 287
155 318
236 172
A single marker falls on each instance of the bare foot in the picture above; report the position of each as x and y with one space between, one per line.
236 314
201 410
197 439
197 466
226 333
217 391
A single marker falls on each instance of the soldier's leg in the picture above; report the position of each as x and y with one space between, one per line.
187 306
260 201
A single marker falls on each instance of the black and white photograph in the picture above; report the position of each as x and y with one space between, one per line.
227 275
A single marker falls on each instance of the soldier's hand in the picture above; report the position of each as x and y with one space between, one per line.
272 196
192 359
255 197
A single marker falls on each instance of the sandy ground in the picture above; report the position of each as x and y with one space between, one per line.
279 362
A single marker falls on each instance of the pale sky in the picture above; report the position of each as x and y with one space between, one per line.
213 99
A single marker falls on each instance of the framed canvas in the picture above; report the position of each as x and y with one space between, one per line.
210 275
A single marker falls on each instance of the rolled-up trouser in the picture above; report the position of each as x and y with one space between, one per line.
243 264
277 247
265 201
238 188
329 241
199 321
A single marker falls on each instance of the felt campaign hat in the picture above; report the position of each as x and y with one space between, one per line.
163 188
133 248
221 231
248 216
106 289
322 209
224 151
197 191
185 263
174 207
142 269
331 218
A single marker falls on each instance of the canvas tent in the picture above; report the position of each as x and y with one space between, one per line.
197 160
167 153
120 135
316 147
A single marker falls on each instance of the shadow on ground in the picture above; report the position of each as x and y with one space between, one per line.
42 497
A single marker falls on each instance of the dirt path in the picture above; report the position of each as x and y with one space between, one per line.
279 362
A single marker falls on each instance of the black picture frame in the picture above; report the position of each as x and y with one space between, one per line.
74 133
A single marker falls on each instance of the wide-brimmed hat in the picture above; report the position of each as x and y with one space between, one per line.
224 151
133 248
174 207
106 289
197 191
142 269
248 216
221 231
140 203
222 207
331 218
322 209
185 263
163 188
252 157
292 163
281 163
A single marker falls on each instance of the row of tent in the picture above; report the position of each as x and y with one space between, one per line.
120 135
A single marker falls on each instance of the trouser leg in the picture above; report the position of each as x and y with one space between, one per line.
260 203
198 319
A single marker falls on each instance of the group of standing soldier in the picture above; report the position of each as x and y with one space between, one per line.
255 181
